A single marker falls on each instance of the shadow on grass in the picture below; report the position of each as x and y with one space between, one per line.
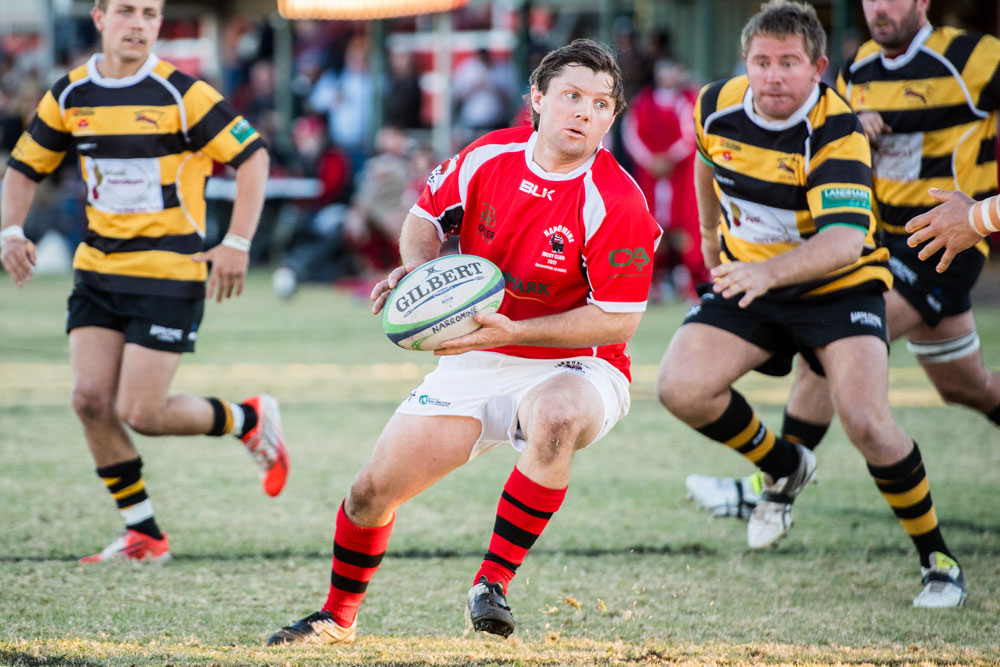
21 659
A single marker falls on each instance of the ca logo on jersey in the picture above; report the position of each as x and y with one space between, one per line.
533 189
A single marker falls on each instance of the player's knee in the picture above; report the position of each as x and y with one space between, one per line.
559 422
864 428
677 396
141 421
92 406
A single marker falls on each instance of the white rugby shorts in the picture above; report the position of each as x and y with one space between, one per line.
489 386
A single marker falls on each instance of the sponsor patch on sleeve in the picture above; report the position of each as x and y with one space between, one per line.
846 197
242 130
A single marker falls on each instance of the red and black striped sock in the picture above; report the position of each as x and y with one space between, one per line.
524 509
357 553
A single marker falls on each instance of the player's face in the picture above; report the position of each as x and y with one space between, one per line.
129 28
781 74
574 113
894 23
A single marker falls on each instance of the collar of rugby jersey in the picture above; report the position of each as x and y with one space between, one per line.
911 51
778 125
537 170
124 82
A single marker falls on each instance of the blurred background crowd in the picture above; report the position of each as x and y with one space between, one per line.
357 113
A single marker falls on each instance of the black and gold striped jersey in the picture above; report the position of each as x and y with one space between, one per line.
940 99
781 182
146 145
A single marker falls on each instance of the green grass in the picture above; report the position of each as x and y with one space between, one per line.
628 572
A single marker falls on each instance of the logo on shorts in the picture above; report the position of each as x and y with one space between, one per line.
430 400
865 318
573 366
695 309
902 271
166 334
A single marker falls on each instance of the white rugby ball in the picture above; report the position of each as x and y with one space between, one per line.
436 301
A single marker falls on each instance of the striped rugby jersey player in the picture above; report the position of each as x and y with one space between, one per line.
562 240
940 98
146 145
781 182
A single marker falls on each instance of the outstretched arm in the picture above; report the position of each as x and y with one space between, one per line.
948 225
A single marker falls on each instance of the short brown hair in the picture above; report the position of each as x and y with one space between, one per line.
103 4
585 53
781 18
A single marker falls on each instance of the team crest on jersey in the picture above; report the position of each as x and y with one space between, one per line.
149 118
788 167
558 237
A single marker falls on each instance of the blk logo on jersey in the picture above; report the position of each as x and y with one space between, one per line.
536 191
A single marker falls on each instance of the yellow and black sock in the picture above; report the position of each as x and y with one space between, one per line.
741 429
905 487
802 432
238 419
125 483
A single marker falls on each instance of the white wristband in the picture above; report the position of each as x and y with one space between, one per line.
991 214
11 232
972 218
231 240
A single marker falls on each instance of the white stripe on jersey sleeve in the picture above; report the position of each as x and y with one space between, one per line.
619 306
421 213
476 158
594 210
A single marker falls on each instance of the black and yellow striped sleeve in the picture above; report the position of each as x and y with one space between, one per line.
217 128
699 127
838 186
982 73
42 146
707 104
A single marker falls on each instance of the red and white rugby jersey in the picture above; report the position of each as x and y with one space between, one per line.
562 240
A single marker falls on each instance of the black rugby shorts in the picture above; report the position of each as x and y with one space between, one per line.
162 323
787 326
934 295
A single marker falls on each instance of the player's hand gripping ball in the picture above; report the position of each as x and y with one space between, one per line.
437 301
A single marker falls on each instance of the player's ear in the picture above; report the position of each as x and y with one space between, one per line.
821 64
536 99
98 17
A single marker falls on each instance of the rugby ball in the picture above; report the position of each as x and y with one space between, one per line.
436 301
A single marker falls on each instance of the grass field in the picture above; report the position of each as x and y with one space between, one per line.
628 571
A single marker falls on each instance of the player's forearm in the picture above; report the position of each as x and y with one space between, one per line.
709 209
15 199
829 250
418 241
251 182
586 326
